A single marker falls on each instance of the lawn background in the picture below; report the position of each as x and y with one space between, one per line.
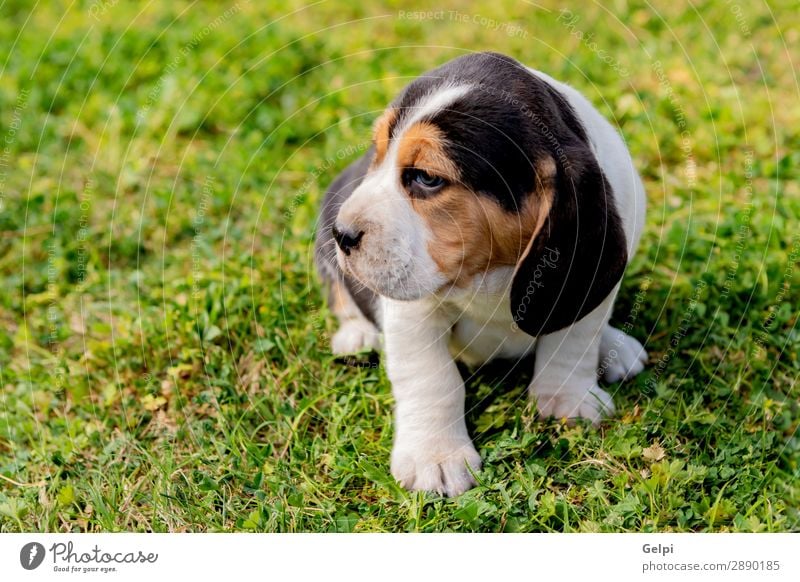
164 346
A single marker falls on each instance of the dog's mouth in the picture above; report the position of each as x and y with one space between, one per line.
387 277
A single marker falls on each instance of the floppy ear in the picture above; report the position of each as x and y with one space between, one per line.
578 255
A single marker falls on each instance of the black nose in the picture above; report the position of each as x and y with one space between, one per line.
347 241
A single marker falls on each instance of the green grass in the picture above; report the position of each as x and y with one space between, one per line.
164 360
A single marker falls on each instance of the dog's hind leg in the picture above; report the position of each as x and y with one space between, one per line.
355 332
621 356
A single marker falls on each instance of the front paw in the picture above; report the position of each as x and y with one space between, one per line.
440 466
355 335
621 356
592 404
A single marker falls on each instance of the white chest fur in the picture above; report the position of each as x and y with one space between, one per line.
483 326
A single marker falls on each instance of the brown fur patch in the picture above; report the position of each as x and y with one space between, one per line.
422 146
341 302
381 133
472 233
545 180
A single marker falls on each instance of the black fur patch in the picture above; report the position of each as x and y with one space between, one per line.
577 258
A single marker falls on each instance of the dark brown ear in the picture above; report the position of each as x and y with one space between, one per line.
578 255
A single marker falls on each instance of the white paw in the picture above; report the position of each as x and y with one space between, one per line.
355 335
592 404
621 356
439 466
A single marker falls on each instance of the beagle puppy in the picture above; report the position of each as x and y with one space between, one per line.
493 215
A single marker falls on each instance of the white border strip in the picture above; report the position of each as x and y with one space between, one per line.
423 557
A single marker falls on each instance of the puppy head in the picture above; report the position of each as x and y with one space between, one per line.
479 164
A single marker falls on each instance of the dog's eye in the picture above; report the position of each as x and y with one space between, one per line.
426 180
420 182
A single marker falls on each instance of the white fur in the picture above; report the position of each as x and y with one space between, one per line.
483 327
565 374
355 331
436 101
355 335
432 450
621 356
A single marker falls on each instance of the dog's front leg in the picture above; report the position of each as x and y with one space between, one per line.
432 450
565 376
